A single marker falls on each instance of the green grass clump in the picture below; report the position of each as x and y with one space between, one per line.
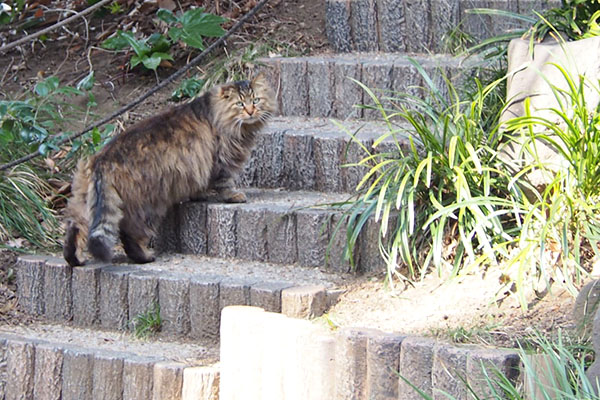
148 323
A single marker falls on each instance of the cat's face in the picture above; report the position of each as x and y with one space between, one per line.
248 102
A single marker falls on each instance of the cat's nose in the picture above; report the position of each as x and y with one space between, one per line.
249 111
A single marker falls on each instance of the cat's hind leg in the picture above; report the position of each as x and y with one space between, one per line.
136 248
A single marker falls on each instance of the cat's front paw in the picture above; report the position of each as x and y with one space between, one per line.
233 196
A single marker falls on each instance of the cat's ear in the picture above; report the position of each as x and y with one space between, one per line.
259 79
225 91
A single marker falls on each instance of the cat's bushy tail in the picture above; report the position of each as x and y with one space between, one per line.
93 214
105 212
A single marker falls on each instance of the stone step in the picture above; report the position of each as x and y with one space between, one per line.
269 356
299 153
43 361
417 26
320 86
187 292
274 226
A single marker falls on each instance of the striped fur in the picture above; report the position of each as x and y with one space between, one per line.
122 191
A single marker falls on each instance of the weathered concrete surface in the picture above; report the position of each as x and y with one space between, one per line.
48 372
416 363
200 383
304 301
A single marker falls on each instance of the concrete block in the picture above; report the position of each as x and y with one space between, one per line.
490 360
377 76
193 228
304 301
317 353
114 301
337 246
251 233
418 35
271 69
142 293
205 310
445 17
406 79
241 353
78 369
221 222
370 256
138 378
321 86
299 168
174 300
449 371
168 380
30 283
281 235
47 372
294 87
586 305
267 295
200 383
57 290
416 362
347 93
167 239
107 378
234 292
85 284
337 25
265 166
20 363
383 364
392 30
352 173
328 151
313 236
363 24
278 357
351 363
3 367
485 26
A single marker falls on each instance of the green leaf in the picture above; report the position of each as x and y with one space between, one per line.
117 42
193 40
152 62
96 137
166 16
87 83
139 46
175 34
158 43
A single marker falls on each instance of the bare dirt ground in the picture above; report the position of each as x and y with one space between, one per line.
463 311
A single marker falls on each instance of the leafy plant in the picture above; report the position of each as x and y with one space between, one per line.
192 25
24 210
147 323
9 11
188 89
26 125
565 215
578 19
446 181
151 51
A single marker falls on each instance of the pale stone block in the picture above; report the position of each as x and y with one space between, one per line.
48 372
20 361
200 383
168 380
304 301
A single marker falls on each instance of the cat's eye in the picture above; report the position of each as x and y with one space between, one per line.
240 104
256 100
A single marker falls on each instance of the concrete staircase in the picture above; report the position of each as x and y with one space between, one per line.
277 252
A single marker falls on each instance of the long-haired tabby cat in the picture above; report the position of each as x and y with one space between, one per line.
124 189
